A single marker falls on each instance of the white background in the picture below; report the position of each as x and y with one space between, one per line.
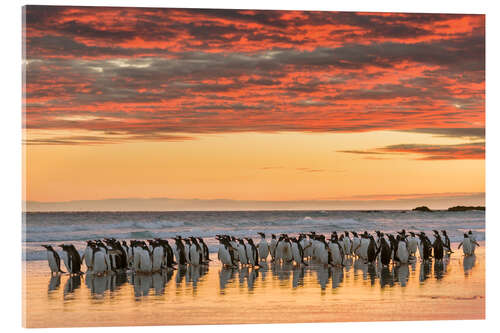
10 161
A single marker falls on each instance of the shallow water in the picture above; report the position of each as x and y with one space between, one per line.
453 289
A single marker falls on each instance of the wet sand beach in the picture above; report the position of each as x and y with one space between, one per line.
454 289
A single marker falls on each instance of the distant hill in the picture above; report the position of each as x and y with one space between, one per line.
465 208
422 209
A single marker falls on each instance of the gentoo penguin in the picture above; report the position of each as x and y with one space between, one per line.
73 263
425 247
323 253
225 253
337 253
252 255
402 251
180 254
286 253
99 263
195 252
234 248
466 245
278 252
372 250
394 247
385 252
447 243
272 247
347 244
297 252
136 258
158 255
242 252
145 262
187 249
365 241
127 251
263 247
412 244
356 242
438 246
53 259
204 248
473 241
87 255
306 244
168 259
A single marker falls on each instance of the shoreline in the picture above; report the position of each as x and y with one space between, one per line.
279 295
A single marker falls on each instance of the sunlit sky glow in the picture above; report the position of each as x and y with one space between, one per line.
261 106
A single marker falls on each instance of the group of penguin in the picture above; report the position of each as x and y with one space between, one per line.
110 255
315 248
155 255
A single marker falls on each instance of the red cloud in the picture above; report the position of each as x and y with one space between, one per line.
146 72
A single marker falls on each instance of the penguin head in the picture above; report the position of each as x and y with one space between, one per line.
466 236
412 234
273 236
48 247
263 235
470 232
443 232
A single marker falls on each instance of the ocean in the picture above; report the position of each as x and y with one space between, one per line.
77 227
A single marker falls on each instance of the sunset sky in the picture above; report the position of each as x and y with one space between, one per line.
151 109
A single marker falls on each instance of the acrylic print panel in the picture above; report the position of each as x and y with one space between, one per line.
189 166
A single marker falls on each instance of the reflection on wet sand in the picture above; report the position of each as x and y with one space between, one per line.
55 282
249 278
468 263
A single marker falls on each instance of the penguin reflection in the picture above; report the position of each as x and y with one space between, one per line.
438 269
425 270
469 262
72 284
226 275
372 272
386 277
97 284
298 276
337 276
243 274
285 271
323 276
252 276
158 283
54 282
117 280
142 284
181 272
359 265
402 272
264 267
195 273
